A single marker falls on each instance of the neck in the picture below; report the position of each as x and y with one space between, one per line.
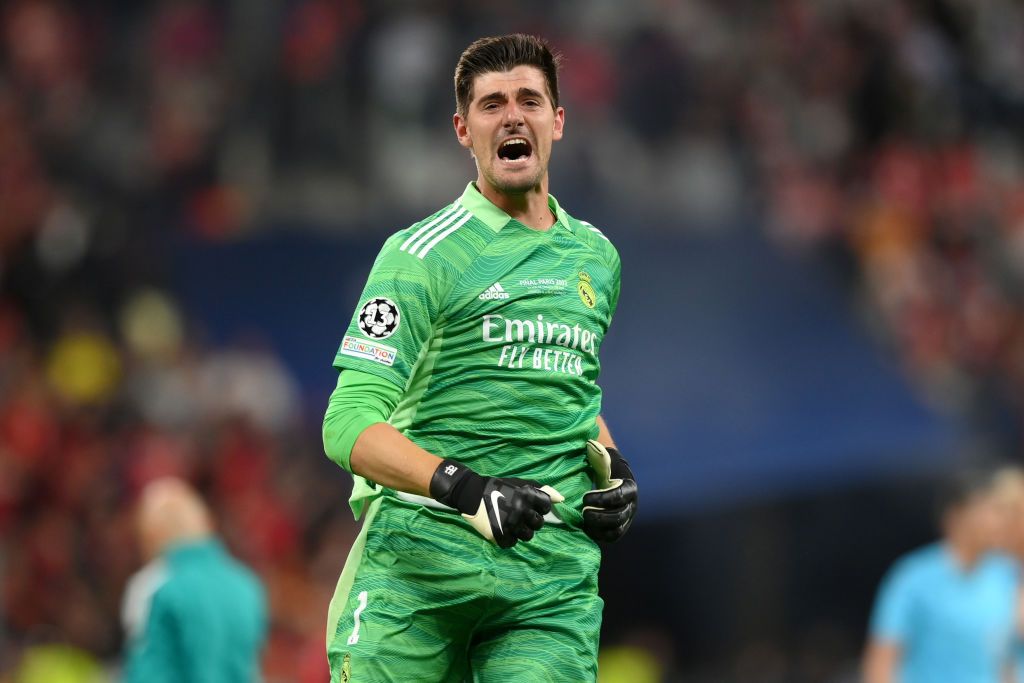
965 554
529 208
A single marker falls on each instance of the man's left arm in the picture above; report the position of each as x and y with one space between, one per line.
603 434
609 509
152 656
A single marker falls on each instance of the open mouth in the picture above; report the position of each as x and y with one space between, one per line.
515 150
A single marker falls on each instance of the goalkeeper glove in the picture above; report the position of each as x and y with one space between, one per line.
503 510
608 510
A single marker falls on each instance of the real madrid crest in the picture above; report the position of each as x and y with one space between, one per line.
586 290
346 668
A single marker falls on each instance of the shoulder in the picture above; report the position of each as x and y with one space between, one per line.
235 584
450 237
597 239
1003 565
918 565
139 594
926 557
215 578
247 579
144 583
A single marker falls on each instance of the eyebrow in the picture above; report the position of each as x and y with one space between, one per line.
500 96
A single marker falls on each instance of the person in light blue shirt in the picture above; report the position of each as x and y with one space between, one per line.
948 612
1010 495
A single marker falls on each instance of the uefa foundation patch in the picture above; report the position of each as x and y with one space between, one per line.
360 348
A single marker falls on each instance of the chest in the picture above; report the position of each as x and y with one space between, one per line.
536 303
539 281
976 609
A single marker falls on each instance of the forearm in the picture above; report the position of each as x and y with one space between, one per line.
383 455
603 434
880 662
876 674
358 437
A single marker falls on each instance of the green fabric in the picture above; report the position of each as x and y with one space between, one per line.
494 349
442 604
348 574
206 623
358 401
495 218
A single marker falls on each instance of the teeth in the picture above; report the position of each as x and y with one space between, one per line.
514 141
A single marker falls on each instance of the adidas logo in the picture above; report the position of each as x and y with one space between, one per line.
495 291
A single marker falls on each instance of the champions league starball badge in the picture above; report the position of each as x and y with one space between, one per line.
379 318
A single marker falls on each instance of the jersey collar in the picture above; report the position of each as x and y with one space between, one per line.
203 545
495 218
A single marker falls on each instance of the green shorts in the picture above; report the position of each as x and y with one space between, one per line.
424 598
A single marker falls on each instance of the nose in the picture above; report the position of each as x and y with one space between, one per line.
513 116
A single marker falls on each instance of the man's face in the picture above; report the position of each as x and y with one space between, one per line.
510 124
1010 502
981 520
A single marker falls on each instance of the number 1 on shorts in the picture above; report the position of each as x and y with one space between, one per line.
354 638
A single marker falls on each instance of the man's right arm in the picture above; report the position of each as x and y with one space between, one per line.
154 656
403 297
881 661
891 625
382 454
357 437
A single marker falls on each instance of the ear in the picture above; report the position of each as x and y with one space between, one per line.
462 131
559 124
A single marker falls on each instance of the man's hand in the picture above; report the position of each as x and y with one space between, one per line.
504 511
608 510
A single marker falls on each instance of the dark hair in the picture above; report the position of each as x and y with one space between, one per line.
504 53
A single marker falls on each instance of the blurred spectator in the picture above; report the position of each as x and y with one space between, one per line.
949 611
1009 490
885 135
59 664
193 612
622 664
75 449
84 367
1010 495
645 656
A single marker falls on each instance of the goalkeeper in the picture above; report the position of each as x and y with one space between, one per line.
467 410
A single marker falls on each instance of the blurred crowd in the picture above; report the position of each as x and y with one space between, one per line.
884 134
889 131
88 419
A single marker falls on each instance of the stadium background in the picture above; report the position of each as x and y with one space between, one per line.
820 210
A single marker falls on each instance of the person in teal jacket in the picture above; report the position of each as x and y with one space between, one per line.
193 614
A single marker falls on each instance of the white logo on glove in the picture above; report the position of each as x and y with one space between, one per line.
495 495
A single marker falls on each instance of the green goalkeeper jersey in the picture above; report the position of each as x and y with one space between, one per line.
492 331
